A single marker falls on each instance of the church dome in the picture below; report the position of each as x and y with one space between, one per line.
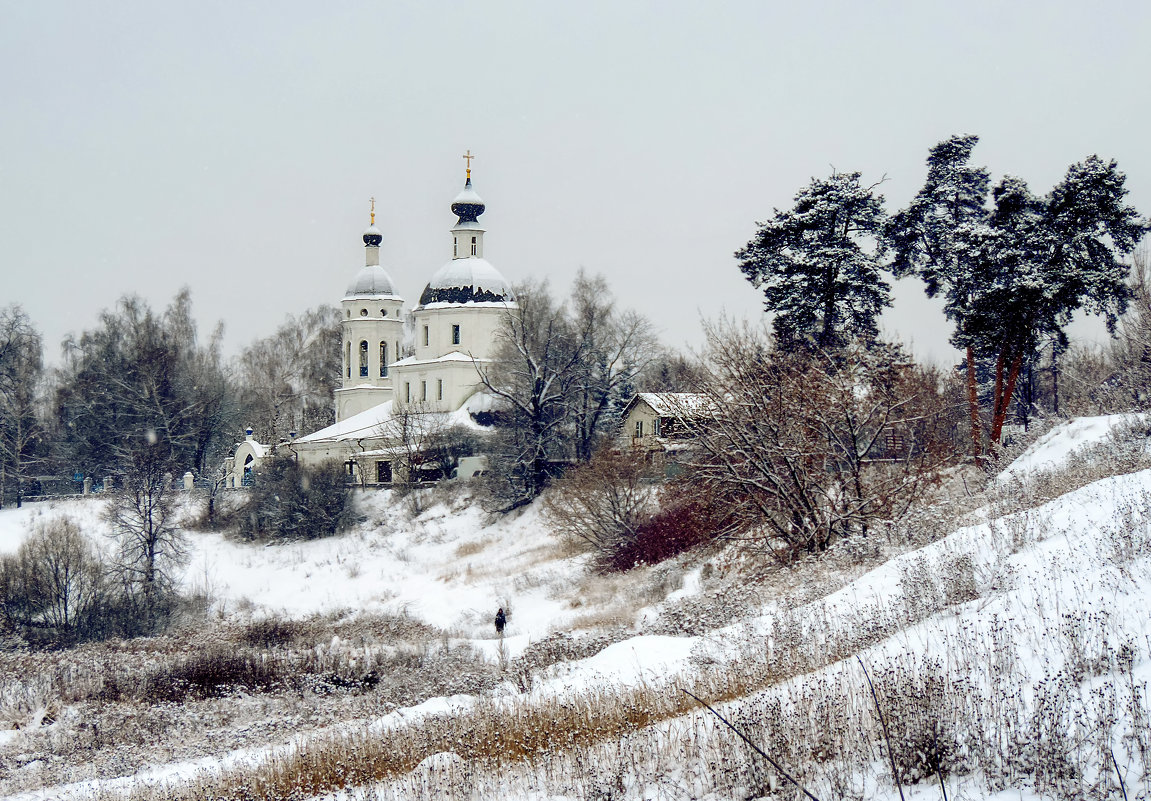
372 236
468 206
371 281
472 280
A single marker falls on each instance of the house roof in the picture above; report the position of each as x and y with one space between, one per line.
673 404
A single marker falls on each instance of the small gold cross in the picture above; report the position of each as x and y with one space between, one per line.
373 210
468 157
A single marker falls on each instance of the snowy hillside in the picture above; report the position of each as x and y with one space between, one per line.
1010 658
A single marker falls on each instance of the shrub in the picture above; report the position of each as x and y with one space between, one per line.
290 502
54 588
685 523
603 503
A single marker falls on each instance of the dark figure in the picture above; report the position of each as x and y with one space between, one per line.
501 619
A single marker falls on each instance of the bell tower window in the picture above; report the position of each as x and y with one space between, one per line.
383 360
348 359
364 359
456 334
425 336
473 246
455 246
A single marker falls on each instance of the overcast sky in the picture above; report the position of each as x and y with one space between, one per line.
232 147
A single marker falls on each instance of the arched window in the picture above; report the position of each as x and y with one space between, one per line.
383 359
348 358
364 359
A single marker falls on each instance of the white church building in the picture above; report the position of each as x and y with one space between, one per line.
455 323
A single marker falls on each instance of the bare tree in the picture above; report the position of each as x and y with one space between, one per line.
603 503
286 380
1131 350
812 447
617 347
53 586
151 546
21 427
532 375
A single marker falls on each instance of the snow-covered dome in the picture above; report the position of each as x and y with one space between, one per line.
471 280
372 280
372 236
468 206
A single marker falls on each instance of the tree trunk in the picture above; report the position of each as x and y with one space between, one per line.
973 404
1005 402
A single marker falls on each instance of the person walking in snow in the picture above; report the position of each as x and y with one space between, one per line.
501 620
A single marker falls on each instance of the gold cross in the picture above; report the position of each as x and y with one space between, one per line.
468 157
373 210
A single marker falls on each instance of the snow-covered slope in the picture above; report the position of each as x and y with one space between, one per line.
1032 606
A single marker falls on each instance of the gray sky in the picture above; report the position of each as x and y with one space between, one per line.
232 147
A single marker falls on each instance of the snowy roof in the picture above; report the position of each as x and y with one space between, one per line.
469 196
372 422
454 356
373 280
673 404
467 280
364 424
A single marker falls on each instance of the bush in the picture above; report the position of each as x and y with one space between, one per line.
54 588
602 504
684 523
290 502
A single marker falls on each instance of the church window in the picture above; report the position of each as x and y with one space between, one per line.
383 360
407 392
439 389
423 390
348 358
364 358
383 312
363 312
425 336
455 335
455 246
473 246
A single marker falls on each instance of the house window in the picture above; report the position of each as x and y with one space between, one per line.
383 472
439 389
407 392
638 429
364 358
656 428
383 359
425 336
455 335
348 358
473 246
423 390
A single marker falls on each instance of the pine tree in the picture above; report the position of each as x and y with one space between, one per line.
923 238
1014 270
817 266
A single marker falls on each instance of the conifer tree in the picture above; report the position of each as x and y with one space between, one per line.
1014 270
818 264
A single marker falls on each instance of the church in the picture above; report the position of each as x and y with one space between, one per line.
382 392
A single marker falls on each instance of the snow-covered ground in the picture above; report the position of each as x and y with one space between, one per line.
1066 584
